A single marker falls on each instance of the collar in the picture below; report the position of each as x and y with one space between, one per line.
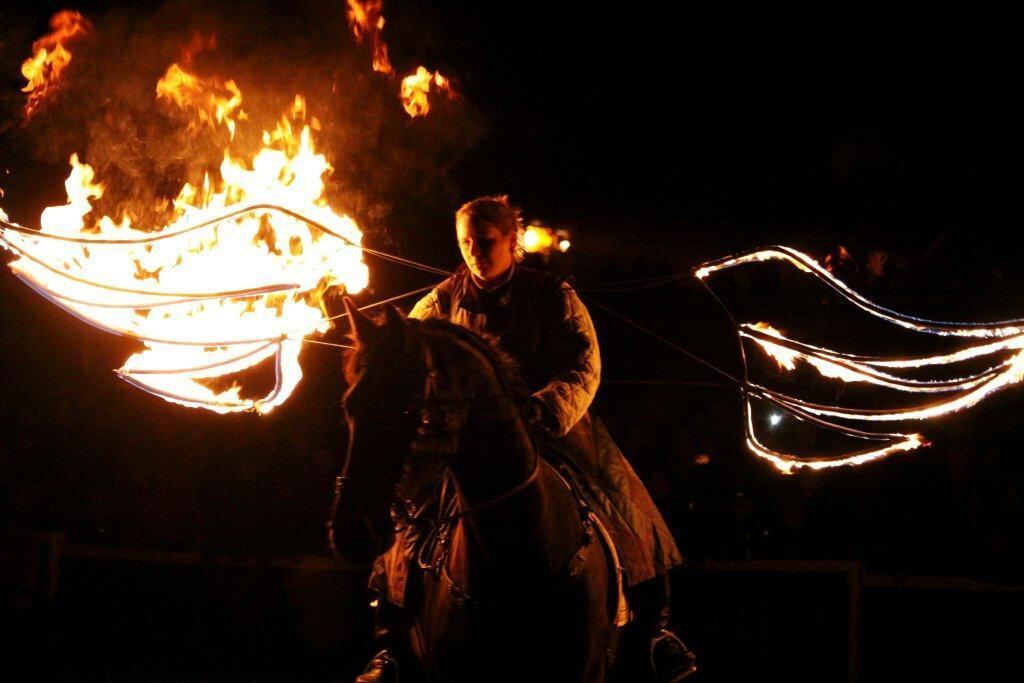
490 288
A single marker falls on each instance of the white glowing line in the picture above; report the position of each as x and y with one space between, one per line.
181 388
109 290
787 463
807 264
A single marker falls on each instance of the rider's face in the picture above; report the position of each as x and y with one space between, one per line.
487 252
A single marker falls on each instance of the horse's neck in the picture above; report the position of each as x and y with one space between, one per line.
511 528
496 452
518 518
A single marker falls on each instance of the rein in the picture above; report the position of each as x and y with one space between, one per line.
501 497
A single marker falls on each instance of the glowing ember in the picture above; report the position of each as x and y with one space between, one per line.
366 17
416 89
237 278
50 57
963 390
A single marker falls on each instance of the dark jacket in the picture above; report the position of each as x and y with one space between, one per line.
540 321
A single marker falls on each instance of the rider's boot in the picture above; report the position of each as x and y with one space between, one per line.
670 659
383 667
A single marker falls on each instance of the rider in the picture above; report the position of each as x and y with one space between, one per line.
543 325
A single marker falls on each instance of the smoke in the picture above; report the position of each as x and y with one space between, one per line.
387 167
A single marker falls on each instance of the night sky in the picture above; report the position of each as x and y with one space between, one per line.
661 138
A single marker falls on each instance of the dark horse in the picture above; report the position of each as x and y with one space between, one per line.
513 578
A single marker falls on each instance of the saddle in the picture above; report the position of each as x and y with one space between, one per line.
423 531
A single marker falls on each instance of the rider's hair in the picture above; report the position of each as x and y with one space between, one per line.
496 211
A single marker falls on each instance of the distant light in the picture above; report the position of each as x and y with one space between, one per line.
701 459
775 419
538 239
532 239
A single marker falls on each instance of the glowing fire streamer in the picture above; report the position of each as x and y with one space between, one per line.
807 264
786 462
165 368
176 383
963 391
837 366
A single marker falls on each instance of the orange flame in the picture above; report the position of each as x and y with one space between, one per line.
416 88
238 277
214 102
366 17
50 57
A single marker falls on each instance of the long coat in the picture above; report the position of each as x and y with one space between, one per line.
543 325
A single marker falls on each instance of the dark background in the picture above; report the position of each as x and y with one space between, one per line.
661 139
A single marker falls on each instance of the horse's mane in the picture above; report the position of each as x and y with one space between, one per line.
505 367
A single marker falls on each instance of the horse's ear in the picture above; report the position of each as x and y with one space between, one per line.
363 328
393 316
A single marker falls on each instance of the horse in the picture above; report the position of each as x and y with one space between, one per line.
512 577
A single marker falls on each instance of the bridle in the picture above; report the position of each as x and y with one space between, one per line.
438 428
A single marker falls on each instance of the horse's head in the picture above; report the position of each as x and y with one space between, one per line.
390 379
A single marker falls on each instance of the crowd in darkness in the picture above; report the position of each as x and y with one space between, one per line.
82 453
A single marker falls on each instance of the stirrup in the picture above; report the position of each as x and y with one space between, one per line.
383 668
671 660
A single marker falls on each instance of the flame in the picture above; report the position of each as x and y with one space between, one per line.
416 90
50 58
783 356
213 102
366 17
786 463
238 277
